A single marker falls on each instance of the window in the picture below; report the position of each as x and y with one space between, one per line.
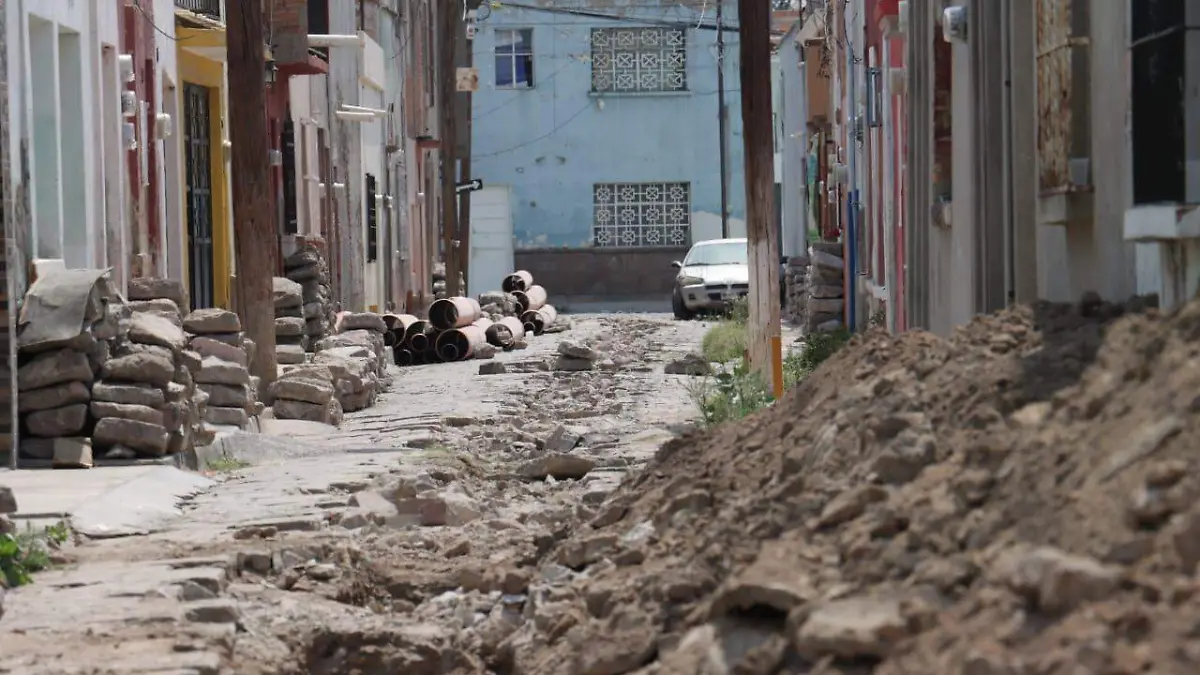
514 58
641 214
291 219
639 60
372 221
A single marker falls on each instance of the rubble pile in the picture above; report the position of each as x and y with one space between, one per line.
291 328
306 392
308 268
224 369
1018 498
795 290
823 308
439 280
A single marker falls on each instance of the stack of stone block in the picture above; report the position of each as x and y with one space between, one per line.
224 369
795 290
826 290
291 328
306 392
308 268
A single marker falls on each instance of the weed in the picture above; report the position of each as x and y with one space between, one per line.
25 553
878 318
818 347
226 464
724 342
731 394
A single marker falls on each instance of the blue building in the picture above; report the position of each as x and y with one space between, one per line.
596 133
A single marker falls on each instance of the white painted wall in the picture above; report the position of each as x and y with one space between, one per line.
58 119
170 198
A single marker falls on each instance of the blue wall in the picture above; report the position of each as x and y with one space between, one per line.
551 143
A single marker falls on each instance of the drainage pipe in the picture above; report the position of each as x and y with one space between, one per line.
418 327
459 344
402 357
531 299
506 331
457 312
423 341
538 320
517 281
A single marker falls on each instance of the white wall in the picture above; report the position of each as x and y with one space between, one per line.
170 198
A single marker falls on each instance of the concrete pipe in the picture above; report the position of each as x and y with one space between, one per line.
459 344
389 338
423 341
531 299
538 320
417 327
402 357
399 323
517 281
506 331
483 322
450 313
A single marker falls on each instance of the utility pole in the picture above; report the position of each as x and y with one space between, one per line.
464 198
764 347
722 120
447 44
254 228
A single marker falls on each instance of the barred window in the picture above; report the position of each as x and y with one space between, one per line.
641 214
639 60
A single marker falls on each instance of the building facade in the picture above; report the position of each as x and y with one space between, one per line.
596 136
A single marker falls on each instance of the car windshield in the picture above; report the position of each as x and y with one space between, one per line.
729 253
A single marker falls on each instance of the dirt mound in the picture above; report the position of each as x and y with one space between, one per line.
1019 498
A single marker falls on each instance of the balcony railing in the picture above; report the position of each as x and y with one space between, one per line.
209 8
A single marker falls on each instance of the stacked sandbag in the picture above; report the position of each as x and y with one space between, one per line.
824 309
795 289
305 392
308 268
55 376
146 403
291 328
224 368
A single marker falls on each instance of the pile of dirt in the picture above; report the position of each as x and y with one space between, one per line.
1019 498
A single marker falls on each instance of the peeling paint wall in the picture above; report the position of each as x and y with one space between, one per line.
551 143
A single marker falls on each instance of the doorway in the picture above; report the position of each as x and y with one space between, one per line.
198 167
491 239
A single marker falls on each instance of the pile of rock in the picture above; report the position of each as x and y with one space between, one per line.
497 304
291 328
306 392
824 306
795 289
355 383
224 369
439 280
308 268
575 357
362 329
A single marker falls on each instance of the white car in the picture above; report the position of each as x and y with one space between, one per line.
713 274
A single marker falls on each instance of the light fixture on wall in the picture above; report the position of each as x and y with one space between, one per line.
129 103
271 73
164 126
274 157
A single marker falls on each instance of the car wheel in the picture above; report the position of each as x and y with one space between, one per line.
681 311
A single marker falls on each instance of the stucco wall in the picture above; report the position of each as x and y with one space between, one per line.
553 142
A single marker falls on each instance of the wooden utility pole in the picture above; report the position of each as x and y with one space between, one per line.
464 199
253 226
448 22
765 350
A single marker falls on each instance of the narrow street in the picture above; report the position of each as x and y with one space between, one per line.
311 539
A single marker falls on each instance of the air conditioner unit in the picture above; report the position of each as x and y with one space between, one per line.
129 103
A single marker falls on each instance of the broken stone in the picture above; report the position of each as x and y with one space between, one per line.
139 436
298 410
289 326
772 581
217 371
56 396
207 346
212 320
290 354
492 368
236 417
129 394
580 553
287 293
160 306
449 508
1057 582
691 364
571 365
578 351
212 611
73 453
8 501
361 321
558 466
304 390
147 288
57 422
55 367
853 628
904 460
322 572
152 329
850 505
228 396
141 413
563 439
143 367
1186 538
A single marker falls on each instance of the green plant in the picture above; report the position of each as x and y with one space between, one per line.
878 318
225 464
818 347
731 394
724 342
24 553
